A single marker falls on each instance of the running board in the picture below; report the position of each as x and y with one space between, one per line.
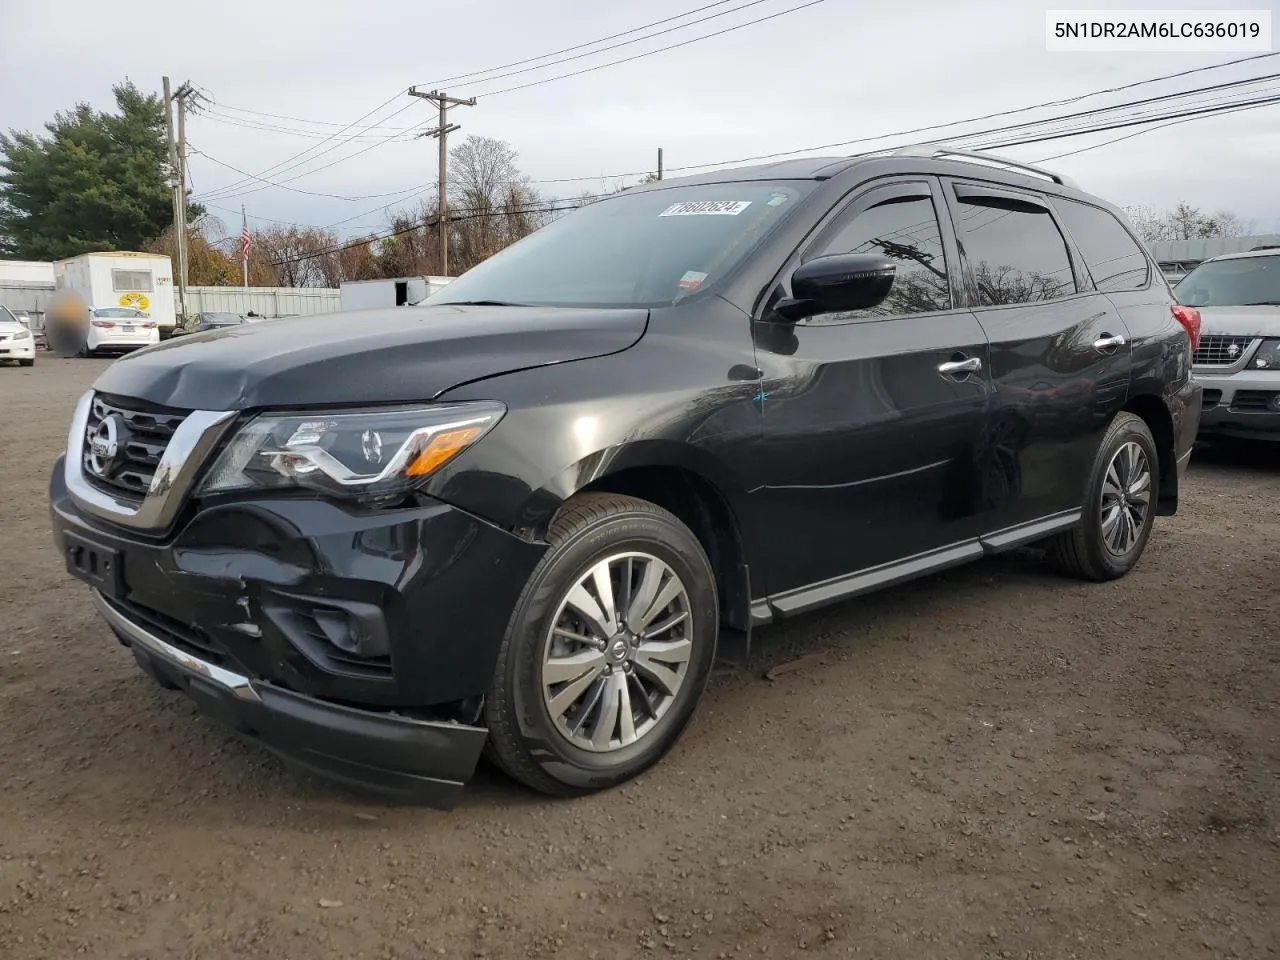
804 599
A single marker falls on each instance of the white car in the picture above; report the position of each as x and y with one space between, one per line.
16 341
119 328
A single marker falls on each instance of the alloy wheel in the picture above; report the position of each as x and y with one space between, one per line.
1126 498
617 652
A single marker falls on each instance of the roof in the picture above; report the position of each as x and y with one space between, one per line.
1244 255
131 254
822 168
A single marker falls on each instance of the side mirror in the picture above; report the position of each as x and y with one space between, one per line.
842 281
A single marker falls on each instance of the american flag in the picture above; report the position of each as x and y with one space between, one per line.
245 242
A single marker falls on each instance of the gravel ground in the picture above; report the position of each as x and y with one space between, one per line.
993 762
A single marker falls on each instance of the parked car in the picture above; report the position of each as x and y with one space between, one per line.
1238 358
217 321
118 329
524 514
16 341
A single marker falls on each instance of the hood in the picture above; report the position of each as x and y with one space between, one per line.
1240 321
8 328
394 355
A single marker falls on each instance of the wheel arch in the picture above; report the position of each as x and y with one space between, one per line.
697 490
1154 412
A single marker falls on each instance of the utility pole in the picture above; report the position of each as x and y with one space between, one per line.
179 196
441 133
178 164
181 95
659 163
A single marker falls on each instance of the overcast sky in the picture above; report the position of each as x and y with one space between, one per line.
838 70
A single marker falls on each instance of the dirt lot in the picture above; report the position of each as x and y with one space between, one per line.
989 763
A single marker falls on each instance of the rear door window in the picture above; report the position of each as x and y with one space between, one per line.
1015 250
1114 259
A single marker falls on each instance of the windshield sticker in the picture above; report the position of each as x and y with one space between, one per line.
777 200
691 280
706 208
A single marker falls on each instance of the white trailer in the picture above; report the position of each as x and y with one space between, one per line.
393 292
123 279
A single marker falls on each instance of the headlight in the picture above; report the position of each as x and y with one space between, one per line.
22 335
372 456
1268 356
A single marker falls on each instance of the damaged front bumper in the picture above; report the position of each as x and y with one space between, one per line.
355 644
414 760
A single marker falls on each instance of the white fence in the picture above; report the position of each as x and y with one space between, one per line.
264 301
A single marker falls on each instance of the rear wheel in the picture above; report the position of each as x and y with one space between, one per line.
608 650
1120 506
27 363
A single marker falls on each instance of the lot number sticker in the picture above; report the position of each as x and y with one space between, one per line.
706 208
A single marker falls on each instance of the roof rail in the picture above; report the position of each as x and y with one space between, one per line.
934 150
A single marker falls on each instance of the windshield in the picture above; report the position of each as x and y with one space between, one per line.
634 249
119 313
1232 283
6 316
222 319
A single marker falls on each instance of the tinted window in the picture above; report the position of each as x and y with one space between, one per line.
906 230
636 248
1244 281
1015 250
1113 257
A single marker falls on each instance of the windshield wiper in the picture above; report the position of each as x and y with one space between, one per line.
1261 303
480 303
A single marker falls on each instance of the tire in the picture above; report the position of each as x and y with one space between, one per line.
1087 551
541 750
26 363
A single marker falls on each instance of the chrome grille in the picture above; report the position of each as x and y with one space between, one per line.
142 431
1220 351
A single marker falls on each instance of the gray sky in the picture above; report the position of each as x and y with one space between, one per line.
835 71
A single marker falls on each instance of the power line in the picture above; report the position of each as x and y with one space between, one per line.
281 116
931 128
245 123
228 192
623 43
650 53
285 165
590 43
1198 112
1159 126
310 193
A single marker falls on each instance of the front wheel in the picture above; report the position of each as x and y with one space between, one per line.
1119 507
27 363
608 650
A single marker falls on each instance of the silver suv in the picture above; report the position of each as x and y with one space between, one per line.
1238 358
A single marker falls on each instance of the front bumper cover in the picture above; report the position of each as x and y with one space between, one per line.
232 607
415 760
1245 405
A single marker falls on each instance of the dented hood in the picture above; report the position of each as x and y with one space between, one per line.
400 354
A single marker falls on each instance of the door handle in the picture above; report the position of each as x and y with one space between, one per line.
960 368
1108 342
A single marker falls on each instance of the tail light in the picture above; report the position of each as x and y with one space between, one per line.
1189 317
148 325
104 324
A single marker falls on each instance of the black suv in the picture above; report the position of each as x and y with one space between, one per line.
521 517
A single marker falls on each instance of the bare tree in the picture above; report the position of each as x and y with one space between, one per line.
1185 222
496 203
296 254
